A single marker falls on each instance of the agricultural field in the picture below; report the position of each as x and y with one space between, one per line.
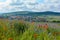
22 30
53 18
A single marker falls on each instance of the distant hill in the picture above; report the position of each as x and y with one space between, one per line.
26 13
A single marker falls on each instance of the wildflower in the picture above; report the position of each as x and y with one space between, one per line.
35 35
45 26
10 38
39 26
32 22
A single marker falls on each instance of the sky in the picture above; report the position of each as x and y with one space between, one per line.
29 5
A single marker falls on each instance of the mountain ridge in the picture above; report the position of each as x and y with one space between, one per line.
32 13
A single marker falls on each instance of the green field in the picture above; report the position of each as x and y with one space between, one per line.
21 30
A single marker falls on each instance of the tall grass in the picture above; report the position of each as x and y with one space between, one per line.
21 30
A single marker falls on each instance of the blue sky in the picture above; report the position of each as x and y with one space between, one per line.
30 5
2 0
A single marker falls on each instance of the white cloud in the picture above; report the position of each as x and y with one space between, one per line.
31 5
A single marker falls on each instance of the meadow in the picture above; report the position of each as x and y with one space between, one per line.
21 30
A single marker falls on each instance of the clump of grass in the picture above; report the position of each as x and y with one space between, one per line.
20 27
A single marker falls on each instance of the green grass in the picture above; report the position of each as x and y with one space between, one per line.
13 31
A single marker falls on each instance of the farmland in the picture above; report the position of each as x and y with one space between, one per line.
22 30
